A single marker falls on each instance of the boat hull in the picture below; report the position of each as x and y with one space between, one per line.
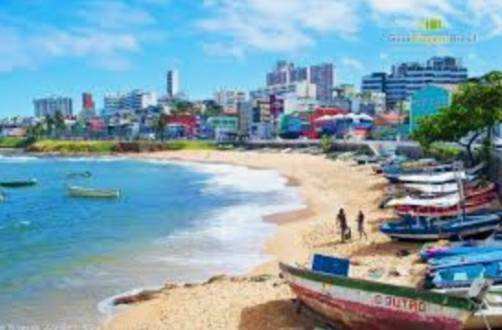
474 226
367 305
18 184
92 193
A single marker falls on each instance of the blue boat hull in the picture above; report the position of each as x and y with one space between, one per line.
407 229
463 276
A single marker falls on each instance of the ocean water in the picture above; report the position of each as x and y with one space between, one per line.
63 259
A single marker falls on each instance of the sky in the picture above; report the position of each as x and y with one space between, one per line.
57 47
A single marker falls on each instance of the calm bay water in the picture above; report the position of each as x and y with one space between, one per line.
61 258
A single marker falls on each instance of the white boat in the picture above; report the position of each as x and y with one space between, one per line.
76 191
433 189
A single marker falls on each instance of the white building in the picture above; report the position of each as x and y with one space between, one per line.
49 106
172 83
229 99
133 101
300 89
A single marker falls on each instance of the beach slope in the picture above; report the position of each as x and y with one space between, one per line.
259 301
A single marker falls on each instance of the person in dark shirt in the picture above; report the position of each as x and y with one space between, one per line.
360 225
341 220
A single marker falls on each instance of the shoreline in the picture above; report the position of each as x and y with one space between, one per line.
282 219
260 299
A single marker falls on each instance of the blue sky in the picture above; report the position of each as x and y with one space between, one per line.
67 47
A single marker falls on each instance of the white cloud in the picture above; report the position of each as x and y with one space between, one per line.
280 25
103 34
412 8
18 50
352 63
114 14
218 49
487 16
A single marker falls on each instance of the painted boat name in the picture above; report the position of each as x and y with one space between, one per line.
401 303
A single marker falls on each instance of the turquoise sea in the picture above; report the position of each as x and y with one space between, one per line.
62 258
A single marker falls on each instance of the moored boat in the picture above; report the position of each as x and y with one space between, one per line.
76 191
363 304
489 316
492 243
18 183
430 229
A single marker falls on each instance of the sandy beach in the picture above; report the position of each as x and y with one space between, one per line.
261 300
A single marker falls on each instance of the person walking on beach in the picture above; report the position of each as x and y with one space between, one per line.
360 225
341 220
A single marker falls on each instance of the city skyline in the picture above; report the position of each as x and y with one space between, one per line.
49 48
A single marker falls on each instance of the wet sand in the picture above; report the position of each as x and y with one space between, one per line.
262 302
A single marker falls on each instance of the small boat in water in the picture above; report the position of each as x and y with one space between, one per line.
86 174
363 304
18 184
76 191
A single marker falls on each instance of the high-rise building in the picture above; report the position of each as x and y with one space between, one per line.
87 102
49 106
407 78
323 76
229 100
88 106
172 83
284 76
375 82
133 101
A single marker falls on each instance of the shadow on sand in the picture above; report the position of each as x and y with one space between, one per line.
391 248
277 314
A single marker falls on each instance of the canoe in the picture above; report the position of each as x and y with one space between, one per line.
85 174
430 229
75 191
18 184
464 260
440 177
464 276
471 205
445 200
492 243
363 304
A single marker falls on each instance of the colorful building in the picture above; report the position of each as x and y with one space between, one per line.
224 128
428 101
182 126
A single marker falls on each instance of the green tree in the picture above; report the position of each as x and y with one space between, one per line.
36 131
212 108
181 107
475 110
326 143
160 126
49 124
59 123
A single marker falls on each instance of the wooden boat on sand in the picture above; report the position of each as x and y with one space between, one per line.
18 183
363 304
83 192
431 229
